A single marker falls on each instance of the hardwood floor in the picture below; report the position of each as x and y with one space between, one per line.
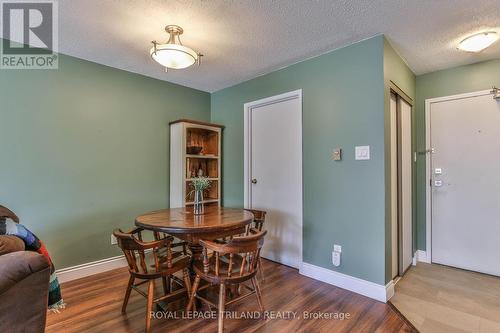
94 303
436 298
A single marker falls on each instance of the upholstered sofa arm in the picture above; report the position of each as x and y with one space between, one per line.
24 286
16 266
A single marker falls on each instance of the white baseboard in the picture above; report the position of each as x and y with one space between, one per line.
422 256
389 291
90 268
373 290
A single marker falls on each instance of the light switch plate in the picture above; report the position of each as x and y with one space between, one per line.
337 248
362 152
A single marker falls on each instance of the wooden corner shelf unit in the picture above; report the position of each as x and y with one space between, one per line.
195 150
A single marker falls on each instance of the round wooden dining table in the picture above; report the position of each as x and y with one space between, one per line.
217 222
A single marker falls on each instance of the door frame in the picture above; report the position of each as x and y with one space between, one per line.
396 197
428 164
247 181
400 205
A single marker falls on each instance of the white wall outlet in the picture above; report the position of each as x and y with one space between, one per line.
337 154
336 258
362 152
337 248
113 240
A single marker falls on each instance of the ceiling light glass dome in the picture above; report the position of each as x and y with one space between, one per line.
173 54
478 42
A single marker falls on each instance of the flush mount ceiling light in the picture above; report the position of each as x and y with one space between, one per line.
173 54
478 42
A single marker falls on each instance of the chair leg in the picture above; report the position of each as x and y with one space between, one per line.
151 288
187 284
167 286
127 293
164 283
261 271
193 293
222 304
256 287
235 290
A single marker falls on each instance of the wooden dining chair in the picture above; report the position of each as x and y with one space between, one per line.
217 270
259 218
148 261
178 243
167 281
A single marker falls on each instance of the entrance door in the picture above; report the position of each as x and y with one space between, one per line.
273 176
465 164
401 184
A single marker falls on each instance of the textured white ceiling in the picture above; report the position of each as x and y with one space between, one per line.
242 39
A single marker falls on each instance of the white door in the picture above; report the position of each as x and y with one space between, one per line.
274 173
465 167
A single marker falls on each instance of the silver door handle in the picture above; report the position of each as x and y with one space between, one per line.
254 181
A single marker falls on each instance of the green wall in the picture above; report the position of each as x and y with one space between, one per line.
104 132
397 72
343 106
458 80
84 149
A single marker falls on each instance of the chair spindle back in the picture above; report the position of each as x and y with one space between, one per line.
134 249
243 251
259 217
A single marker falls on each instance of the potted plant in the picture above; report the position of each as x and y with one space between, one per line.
199 184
